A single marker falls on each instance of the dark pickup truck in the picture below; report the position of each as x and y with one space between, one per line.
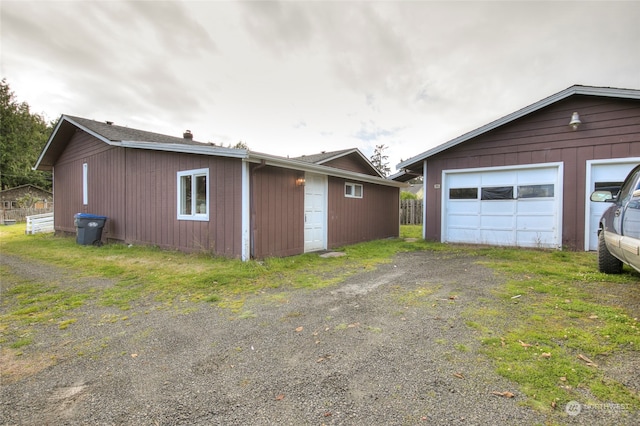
619 228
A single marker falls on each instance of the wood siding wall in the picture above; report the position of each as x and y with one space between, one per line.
610 129
277 212
137 191
105 173
151 200
352 220
352 163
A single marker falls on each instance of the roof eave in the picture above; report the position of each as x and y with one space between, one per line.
63 119
46 148
187 149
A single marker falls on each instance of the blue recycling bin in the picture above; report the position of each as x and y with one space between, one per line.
89 228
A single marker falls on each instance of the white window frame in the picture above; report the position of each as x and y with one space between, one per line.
353 187
85 184
194 215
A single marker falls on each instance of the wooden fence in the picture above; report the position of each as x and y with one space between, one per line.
20 215
410 212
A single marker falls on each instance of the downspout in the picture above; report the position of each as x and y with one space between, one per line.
252 207
424 200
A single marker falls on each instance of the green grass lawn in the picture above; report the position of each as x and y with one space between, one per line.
169 275
552 309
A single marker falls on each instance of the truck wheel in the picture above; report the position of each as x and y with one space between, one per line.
607 263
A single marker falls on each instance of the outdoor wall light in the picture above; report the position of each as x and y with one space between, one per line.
575 121
300 181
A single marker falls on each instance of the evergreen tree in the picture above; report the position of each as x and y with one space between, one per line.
381 161
22 138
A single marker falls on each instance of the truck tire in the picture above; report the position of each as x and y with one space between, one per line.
607 263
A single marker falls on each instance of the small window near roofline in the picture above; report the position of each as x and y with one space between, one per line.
193 195
352 190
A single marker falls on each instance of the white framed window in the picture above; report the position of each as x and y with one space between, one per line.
85 184
352 190
193 195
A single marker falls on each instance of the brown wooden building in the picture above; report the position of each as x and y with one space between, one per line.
178 193
16 197
525 179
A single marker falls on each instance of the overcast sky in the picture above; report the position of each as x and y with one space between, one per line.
301 77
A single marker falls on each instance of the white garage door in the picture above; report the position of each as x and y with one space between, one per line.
603 174
518 206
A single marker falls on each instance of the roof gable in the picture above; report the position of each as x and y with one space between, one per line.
24 188
124 137
571 91
346 159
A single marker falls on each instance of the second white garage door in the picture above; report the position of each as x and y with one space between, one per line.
603 174
519 206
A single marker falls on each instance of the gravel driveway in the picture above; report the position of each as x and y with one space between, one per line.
388 347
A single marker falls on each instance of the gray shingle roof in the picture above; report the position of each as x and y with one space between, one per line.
322 156
120 133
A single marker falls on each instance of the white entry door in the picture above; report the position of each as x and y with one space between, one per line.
315 212
603 174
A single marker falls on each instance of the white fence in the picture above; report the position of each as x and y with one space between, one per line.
39 223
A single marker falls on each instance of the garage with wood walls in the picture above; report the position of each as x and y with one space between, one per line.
525 179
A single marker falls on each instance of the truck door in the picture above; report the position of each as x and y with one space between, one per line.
630 222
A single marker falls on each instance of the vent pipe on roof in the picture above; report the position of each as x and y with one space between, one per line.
109 122
187 134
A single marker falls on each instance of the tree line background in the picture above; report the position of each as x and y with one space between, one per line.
23 135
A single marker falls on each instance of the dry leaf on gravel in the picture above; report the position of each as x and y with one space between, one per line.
279 397
458 375
299 329
505 394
